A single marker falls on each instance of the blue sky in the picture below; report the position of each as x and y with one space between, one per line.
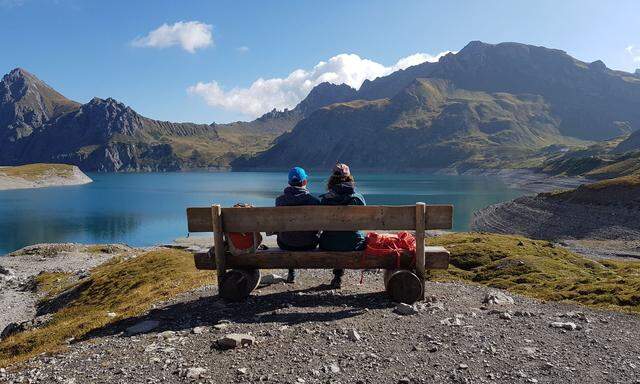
87 48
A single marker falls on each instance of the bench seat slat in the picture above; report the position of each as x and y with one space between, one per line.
435 258
308 218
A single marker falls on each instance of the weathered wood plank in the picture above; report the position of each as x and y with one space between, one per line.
436 258
305 218
420 256
218 243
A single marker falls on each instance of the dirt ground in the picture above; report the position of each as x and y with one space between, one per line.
306 333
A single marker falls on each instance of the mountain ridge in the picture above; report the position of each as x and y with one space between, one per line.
489 105
38 124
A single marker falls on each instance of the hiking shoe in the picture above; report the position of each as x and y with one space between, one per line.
291 277
336 283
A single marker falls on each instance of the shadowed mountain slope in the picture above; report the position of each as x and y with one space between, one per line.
38 124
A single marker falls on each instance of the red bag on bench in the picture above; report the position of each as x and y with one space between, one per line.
379 244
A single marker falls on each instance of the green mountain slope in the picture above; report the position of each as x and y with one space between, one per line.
429 124
591 101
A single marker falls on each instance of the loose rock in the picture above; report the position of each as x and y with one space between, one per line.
405 309
236 340
195 373
568 325
271 278
497 298
353 335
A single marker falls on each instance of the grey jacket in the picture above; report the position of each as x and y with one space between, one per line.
299 240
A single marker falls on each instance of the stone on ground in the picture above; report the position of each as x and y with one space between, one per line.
568 325
271 278
497 298
405 309
236 340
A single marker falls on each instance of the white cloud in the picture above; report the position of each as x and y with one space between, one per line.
634 52
265 94
243 49
190 35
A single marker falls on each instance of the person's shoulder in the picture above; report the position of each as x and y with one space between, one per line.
313 199
280 200
359 199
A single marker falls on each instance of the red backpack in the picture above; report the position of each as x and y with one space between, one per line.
379 244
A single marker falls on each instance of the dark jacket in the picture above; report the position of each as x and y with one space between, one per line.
342 194
300 240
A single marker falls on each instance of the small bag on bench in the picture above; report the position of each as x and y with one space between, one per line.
241 243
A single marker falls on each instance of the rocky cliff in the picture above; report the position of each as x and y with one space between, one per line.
38 124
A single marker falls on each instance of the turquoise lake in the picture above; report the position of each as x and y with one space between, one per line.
142 209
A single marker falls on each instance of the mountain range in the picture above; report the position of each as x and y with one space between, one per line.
38 124
489 105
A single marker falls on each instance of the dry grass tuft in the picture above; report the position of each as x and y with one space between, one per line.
125 287
538 269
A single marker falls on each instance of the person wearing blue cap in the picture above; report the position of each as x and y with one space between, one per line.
297 194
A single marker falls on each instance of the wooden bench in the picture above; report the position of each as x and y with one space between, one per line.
238 275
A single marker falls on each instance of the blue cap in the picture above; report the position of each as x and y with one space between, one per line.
297 175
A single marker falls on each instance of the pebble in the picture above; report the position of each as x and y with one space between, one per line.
505 315
166 335
235 340
453 321
195 373
568 325
405 309
353 335
271 278
198 330
497 298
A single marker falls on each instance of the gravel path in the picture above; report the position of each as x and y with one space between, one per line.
305 333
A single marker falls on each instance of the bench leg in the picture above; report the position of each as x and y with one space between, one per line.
403 286
238 284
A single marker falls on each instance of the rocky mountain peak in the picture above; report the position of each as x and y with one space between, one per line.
325 94
598 65
109 116
27 103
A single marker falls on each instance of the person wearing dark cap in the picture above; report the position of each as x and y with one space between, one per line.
341 189
297 194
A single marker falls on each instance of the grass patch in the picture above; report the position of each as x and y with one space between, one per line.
53 283
38 171
126 287
538 269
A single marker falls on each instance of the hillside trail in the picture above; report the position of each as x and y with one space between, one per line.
307 333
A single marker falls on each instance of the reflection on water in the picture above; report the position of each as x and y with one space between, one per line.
145 209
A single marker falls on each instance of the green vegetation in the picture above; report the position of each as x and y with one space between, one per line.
53 283
37 171
125 287
538 269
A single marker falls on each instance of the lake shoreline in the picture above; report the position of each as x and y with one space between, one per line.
49 175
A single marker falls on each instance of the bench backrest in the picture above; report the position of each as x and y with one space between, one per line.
333 218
